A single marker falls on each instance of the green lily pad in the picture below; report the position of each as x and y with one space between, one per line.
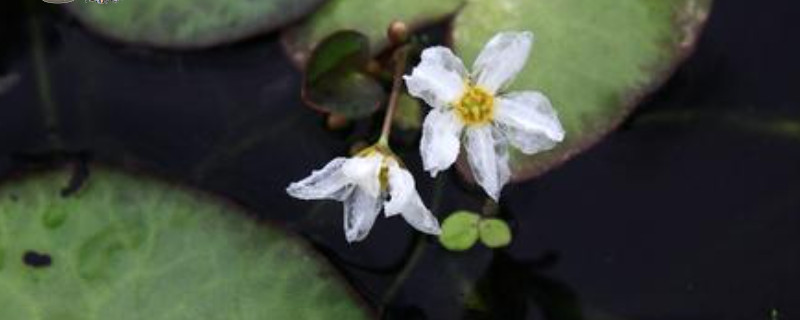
460 231
369 17
494 233
594 59
129 247
188 23
335 80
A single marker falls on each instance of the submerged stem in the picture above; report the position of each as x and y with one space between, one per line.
39 57
490 208
420 246
400 57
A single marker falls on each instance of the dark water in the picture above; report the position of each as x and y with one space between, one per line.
690 211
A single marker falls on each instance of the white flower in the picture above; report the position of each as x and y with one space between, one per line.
475 107
364 184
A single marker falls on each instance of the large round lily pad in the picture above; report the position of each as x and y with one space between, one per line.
370 17
595 59
127 247
188 23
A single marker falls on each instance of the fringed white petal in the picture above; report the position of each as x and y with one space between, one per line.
326 183
501 59
360 211
363 172
529 121
439 79
405 200
441 141
487 152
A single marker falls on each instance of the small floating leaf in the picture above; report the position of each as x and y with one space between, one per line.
370 17
494 233
335 81
594 59
188 23
127 247
460 231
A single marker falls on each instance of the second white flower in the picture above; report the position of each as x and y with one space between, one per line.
365 183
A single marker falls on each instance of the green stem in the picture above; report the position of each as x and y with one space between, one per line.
490 208
400 57
419 248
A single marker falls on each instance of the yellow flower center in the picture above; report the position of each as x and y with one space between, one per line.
476 106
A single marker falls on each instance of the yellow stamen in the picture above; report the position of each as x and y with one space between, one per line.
383 176
388 156
476 106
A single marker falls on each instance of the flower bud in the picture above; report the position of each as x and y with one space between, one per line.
397 33
336 121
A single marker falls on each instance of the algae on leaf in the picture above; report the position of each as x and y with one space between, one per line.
594 59
128 247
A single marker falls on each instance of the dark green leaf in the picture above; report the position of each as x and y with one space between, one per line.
342 51
335 81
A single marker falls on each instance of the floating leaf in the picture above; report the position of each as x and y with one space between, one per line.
460 231
595 59
370 17
188 23
127 247
494 233
335 81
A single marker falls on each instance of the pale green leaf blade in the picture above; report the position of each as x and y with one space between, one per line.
188 23
131 247
594 59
